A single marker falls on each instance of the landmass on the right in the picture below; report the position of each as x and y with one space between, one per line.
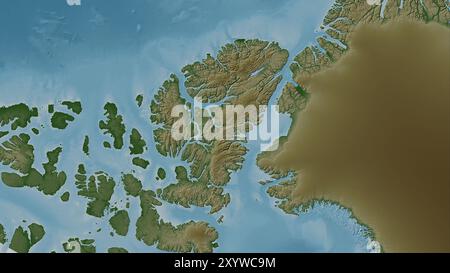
371 122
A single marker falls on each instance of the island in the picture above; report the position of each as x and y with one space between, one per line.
113 125
60 120
117 250
120 222
65 196
140 162
75 245
17 153
19 115
244 73
188 237
98 189
161 174
3 239
86 145
132 185
139 100
194 193
48 183
74 106
23 240
138 144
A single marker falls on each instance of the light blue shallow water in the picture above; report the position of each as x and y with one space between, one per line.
113 50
